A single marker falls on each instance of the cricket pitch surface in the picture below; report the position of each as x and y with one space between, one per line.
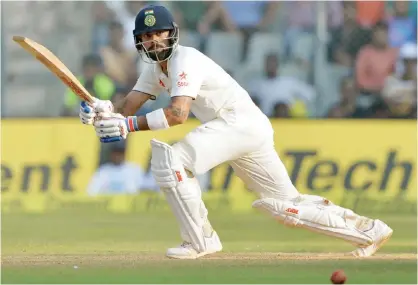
103 248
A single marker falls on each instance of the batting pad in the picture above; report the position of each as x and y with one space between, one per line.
182 196
314 217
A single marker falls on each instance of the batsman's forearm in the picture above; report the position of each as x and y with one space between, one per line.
176 115
128 105
123 107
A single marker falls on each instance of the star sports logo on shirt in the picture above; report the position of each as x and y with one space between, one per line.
182 81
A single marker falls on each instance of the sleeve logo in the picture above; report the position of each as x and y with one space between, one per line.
183 80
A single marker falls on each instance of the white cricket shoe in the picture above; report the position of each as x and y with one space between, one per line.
187 251
380 233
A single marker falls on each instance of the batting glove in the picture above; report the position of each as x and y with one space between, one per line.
88 113
112 127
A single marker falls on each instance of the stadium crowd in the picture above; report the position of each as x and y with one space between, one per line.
370 53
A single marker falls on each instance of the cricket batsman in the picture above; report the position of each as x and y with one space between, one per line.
233 130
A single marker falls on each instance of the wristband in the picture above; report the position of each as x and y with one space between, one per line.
156 120
132 124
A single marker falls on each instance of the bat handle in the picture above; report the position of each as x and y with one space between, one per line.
90 100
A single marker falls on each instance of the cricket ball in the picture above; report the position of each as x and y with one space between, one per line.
338 277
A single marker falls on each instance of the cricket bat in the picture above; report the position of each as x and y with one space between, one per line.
56 66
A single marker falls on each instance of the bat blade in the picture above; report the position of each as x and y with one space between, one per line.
56 66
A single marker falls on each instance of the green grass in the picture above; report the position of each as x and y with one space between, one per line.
129 248
206 271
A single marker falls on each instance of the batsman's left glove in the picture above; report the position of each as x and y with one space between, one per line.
88 113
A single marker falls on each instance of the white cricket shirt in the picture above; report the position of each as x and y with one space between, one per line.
193 74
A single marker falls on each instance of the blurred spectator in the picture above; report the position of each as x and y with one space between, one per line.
126 12
119 62
370 12
272 89
102 16
402 27
346 107
412 8
375 61
189 14
302 14
250 16
400 91
94 80
281 110
301 20
119 176
347 39
215 17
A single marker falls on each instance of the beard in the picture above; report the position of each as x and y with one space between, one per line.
159 53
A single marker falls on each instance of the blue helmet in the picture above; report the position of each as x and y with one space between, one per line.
154 18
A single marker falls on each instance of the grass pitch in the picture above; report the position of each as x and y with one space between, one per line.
72 246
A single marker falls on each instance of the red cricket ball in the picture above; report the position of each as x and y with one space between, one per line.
338 277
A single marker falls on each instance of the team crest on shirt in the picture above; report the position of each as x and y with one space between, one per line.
182 80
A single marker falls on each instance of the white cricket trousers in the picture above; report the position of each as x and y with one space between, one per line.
242 137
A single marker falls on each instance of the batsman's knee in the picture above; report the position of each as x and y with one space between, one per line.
166 166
